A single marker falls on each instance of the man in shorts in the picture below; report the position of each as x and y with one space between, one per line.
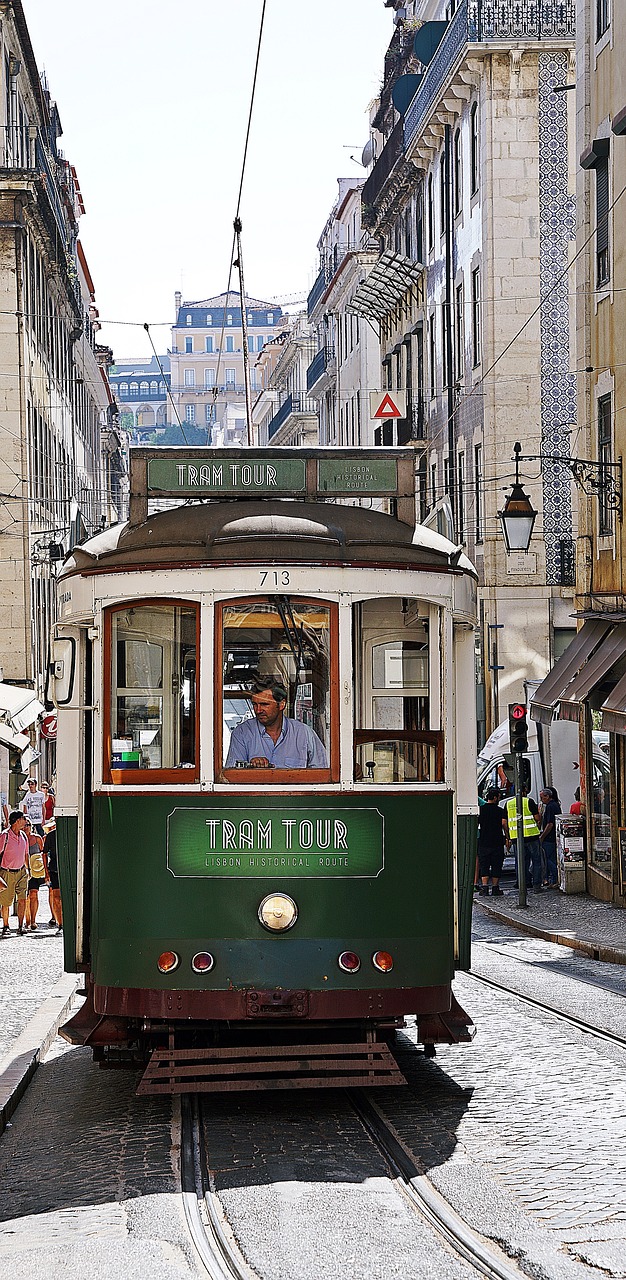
13 871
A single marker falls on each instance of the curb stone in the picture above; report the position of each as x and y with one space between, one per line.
595 950
18 1066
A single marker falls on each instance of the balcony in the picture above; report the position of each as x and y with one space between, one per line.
387 160
480 22
323 362
295 405
316 293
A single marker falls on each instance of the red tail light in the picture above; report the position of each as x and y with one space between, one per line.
168 961
382 960
349 961
202 962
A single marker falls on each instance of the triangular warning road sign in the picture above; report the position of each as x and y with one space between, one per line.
388 408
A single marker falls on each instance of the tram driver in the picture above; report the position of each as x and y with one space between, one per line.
273 740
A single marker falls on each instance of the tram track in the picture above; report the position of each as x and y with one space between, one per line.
206 1224
215 1243
570 1019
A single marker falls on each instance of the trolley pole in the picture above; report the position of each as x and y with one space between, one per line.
519 815
244 330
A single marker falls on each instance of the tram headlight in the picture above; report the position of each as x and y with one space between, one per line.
278 912
202 962
383 961
349 962
168 961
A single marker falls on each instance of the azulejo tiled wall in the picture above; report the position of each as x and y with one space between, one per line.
557 228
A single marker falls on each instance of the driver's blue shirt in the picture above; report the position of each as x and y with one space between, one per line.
297 747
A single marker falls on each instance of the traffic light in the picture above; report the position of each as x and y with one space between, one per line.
518 727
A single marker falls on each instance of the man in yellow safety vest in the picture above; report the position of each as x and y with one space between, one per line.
532 847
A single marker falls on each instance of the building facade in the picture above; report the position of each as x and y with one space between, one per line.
346 364
285 413
56 400
588 685
207 363
471 195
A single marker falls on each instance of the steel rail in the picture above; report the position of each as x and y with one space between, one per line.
218 1255
424 1198
569 1018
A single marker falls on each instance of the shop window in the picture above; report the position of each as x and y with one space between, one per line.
152 727
276 689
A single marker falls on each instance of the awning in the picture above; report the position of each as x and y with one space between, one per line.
19 705
385 285
613 648
9 738
550 691
614 709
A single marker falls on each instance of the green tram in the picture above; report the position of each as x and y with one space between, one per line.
266 770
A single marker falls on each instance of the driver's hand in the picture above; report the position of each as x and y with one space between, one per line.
260 762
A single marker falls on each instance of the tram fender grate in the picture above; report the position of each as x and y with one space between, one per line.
270 1067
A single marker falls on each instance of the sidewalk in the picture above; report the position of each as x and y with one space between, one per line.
598 929
36 997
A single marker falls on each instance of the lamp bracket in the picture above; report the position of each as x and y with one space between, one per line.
592 477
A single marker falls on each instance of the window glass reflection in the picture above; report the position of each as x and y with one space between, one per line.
153 687
276 685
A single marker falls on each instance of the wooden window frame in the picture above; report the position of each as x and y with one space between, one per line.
258 778
145 777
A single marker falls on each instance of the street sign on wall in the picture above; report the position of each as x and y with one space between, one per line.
387 404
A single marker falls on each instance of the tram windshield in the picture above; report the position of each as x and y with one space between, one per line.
153 688
276 682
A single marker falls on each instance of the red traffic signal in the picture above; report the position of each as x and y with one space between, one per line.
518 727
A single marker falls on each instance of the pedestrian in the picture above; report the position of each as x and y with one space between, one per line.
532 848
37 874
492 837
577 807
50 855
49 802
547 838
32 805
14 871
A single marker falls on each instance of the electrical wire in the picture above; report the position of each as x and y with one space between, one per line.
239 195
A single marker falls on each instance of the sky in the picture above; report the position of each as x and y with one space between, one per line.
154 101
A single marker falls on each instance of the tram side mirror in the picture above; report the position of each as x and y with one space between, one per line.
61 670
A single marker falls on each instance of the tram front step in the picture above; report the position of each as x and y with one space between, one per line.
270 1067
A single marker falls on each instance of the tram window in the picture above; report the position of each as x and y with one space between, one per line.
276 686
153 690
393 739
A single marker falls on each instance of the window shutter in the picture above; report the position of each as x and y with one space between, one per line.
602 204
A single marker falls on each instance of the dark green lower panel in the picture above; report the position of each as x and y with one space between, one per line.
67 849
467 829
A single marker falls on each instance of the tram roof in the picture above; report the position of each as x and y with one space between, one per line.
246 530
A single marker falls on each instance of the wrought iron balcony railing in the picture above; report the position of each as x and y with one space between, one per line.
480 21
319 365
294 404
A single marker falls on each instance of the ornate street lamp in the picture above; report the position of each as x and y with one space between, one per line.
518 516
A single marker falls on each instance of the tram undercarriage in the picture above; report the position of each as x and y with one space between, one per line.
268 1040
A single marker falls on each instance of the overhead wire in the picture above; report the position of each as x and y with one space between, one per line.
238 209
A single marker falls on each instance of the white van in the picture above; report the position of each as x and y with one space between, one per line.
551 761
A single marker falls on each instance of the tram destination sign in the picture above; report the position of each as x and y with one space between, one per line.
358 475
303 843
231 476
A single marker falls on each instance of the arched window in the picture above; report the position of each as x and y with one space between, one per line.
123 390
189 319
229 318
134 388
154 388
144 389
431 213
209 319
